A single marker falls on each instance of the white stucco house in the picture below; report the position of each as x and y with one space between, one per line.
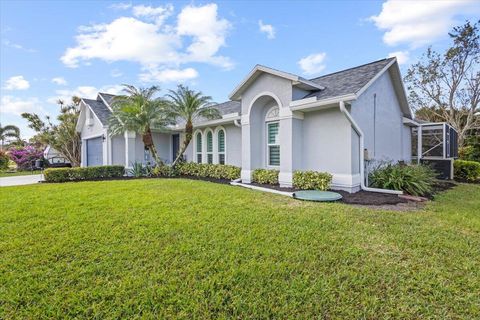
279 120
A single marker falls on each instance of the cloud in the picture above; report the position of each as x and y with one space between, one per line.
157 14
418 23
268 29
16 83
402 56
88 92
196 36
116 73
14 45
120 6
16 106
313 64
169 75
60 81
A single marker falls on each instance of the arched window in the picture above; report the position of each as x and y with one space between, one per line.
209 146
221 146
198 147
273 141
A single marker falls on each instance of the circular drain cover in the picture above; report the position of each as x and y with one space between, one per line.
315 195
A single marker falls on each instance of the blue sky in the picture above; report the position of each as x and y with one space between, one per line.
54 49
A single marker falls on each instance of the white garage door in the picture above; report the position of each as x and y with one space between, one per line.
95 152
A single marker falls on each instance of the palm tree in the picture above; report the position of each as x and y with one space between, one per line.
189 105
138 111
9 131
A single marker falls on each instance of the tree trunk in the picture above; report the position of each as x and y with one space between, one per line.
186 142
148 142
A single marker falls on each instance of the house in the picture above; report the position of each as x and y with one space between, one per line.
279 120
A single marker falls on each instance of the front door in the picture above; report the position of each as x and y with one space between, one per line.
175 146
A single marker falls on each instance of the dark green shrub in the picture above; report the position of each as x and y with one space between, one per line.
416 180
265 176
86 173
311 180
205 170
466 170
4 159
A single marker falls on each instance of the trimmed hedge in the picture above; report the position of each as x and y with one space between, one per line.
86 173
466 170
265 176
312 180
206 170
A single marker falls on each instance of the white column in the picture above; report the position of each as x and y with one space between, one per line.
83 152
246 173
130 139
286 155
419 143
105 148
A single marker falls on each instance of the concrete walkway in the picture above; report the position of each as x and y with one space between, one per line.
20 180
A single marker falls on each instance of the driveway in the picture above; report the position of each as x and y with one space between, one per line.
20 180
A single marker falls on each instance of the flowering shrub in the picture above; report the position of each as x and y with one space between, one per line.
24 156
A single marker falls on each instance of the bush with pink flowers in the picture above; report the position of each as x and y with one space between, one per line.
25 156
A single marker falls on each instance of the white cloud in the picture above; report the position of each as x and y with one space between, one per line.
120 6
268 29
157 14
60 81
16 106
418 22
197 36
402 56
14 45
169 75
16 83
116 73
88 92
313 64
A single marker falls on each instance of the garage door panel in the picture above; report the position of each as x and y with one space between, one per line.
95 152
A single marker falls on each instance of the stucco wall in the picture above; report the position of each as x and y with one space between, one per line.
386 143
327 142
89 131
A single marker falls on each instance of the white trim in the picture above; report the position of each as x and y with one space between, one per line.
258 96
268 145
92 136
410 122
212 123
249 186
300 102
104 101
230 115
325 103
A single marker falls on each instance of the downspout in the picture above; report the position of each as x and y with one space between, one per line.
362 169
237 123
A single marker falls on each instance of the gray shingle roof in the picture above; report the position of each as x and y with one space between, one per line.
229 107
347 81
99 109
107 97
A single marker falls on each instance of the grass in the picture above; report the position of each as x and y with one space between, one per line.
159 249
4 174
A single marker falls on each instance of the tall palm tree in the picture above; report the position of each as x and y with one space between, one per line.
140 112
9 131
189 105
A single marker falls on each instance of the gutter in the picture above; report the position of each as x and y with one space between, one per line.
362 169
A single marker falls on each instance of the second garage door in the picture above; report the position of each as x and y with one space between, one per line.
95 152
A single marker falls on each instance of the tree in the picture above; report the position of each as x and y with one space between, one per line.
139 112
62 136
9 131
189 105
447 86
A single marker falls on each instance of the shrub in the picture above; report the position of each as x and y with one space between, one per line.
265 176
466 170
413 179
205 170
87 173
311 180
164 171
138 170
24 156
4 160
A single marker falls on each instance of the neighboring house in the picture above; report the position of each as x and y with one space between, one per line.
280 121
54 157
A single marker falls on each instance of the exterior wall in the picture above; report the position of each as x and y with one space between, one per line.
387 144
327 147
163 143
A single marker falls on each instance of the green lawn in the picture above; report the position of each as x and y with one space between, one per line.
196 250
18 173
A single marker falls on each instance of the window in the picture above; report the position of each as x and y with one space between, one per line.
221 146
273 144
198 150
209 147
